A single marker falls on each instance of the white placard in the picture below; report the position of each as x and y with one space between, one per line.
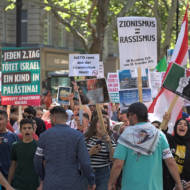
137 38
156 82
83 64
101 70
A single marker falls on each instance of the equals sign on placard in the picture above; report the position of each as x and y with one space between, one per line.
137 30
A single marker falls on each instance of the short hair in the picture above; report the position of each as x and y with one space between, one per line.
58 110
26 121
4 114
30 110
14 109
140 110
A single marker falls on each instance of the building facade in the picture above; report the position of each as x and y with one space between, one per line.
41 29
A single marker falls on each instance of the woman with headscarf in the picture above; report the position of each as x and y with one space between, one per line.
180 147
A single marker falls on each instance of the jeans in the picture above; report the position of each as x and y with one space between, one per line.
101 177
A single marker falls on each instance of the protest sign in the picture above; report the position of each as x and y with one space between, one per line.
113 87
83 64
101 70
156 82
93 91
130 96
20 76
128 79
63 95
178 81
137 42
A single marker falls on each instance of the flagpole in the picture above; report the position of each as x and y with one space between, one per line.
140 84
165 121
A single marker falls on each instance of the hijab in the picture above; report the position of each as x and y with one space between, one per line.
182 140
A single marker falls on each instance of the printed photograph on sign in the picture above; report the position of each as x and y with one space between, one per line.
178 81
127 80
63 95
93 91
130 96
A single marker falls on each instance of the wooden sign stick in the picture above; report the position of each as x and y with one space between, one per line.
19 113
139 84
99 112
164 121
8 111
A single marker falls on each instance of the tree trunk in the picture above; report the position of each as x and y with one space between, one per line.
102 21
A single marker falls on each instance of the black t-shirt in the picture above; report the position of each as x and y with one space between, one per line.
25 177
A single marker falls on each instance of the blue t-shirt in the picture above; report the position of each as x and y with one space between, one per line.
6 142
140 171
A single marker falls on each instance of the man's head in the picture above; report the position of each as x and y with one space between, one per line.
124 118
58 115
136 113
27 128
3 121
29 112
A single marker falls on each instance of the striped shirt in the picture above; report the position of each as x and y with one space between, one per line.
102 158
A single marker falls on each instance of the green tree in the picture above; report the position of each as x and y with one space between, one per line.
88 20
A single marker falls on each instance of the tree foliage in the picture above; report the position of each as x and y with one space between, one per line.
88 20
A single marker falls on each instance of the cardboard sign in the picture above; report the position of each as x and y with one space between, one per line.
101 70
156 82
63 95
83 64
137 42
178 81
20 76
113 87
93 91
130 96
128 79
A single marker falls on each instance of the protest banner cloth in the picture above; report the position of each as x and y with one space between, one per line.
20 76
113 87
93 91
83 64
165 98
63 95
137 44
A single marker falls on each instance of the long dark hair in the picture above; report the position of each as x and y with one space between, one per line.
92 129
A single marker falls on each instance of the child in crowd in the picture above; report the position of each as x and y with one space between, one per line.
22 175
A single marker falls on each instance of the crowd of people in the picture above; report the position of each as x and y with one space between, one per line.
69 148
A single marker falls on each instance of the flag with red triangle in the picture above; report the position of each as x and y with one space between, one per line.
164 98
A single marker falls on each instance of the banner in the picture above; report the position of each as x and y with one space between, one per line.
20 76
63 95
93 91
83 64
137 42
113 87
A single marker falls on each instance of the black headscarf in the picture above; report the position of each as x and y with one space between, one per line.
182 140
